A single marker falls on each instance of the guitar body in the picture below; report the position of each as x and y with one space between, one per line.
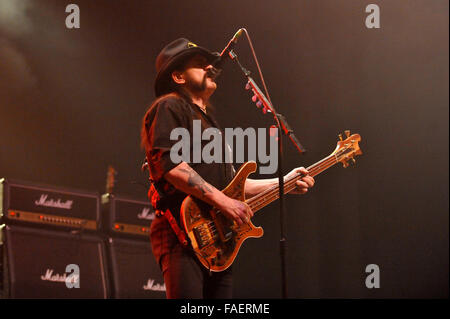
215 238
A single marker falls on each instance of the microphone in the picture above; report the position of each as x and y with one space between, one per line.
225 52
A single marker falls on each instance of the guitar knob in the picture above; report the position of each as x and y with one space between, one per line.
340 137
347 133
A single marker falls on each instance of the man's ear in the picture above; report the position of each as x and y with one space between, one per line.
178 77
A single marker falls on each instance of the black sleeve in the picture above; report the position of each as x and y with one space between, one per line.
162 118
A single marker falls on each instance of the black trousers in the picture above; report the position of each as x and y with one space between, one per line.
186 278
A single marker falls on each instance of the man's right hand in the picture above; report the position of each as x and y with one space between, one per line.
235 210
184 178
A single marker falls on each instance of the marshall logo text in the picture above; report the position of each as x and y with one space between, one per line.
72 280
145 214
43 201
154 287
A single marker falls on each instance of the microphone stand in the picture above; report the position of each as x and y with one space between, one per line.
283 128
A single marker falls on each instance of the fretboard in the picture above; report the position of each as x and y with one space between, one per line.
269 195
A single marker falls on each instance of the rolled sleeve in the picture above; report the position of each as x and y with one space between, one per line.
162 119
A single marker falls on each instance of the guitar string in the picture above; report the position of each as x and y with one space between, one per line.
294 178
260 202
314 170
272 193
276 187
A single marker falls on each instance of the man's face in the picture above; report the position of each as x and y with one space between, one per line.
198 77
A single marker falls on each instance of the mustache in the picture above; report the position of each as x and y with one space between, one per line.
213 73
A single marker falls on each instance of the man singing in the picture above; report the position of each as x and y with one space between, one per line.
184 83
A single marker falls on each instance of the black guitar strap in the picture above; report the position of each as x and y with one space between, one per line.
154 196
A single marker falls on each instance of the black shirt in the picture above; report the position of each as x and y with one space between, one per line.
166 114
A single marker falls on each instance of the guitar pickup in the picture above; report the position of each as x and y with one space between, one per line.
223 226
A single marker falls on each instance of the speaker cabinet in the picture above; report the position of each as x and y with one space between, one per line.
135 273
54 264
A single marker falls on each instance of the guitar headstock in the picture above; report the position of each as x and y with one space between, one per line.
347 149
110 179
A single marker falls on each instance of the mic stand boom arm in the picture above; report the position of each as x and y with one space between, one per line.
279 118
283 127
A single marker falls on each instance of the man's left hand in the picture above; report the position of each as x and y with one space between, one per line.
304 183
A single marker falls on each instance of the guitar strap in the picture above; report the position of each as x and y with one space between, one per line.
173 223
155 198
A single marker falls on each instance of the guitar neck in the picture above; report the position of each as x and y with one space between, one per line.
269 195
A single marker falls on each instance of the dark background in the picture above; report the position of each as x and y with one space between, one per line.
71 102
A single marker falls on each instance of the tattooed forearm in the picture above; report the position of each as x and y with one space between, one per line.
196 181
187 180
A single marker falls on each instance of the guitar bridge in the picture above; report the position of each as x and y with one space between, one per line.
203 235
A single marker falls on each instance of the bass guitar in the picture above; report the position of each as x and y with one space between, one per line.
217 239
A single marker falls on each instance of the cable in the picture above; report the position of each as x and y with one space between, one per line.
257 64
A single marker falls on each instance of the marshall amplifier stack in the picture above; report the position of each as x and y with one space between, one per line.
65 243
134 272
52 248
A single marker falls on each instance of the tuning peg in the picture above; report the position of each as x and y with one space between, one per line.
347 133
259 104
353 160
265 110
254 98
248 86
345 164
340 137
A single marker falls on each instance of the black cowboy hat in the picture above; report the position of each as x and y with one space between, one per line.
172 56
